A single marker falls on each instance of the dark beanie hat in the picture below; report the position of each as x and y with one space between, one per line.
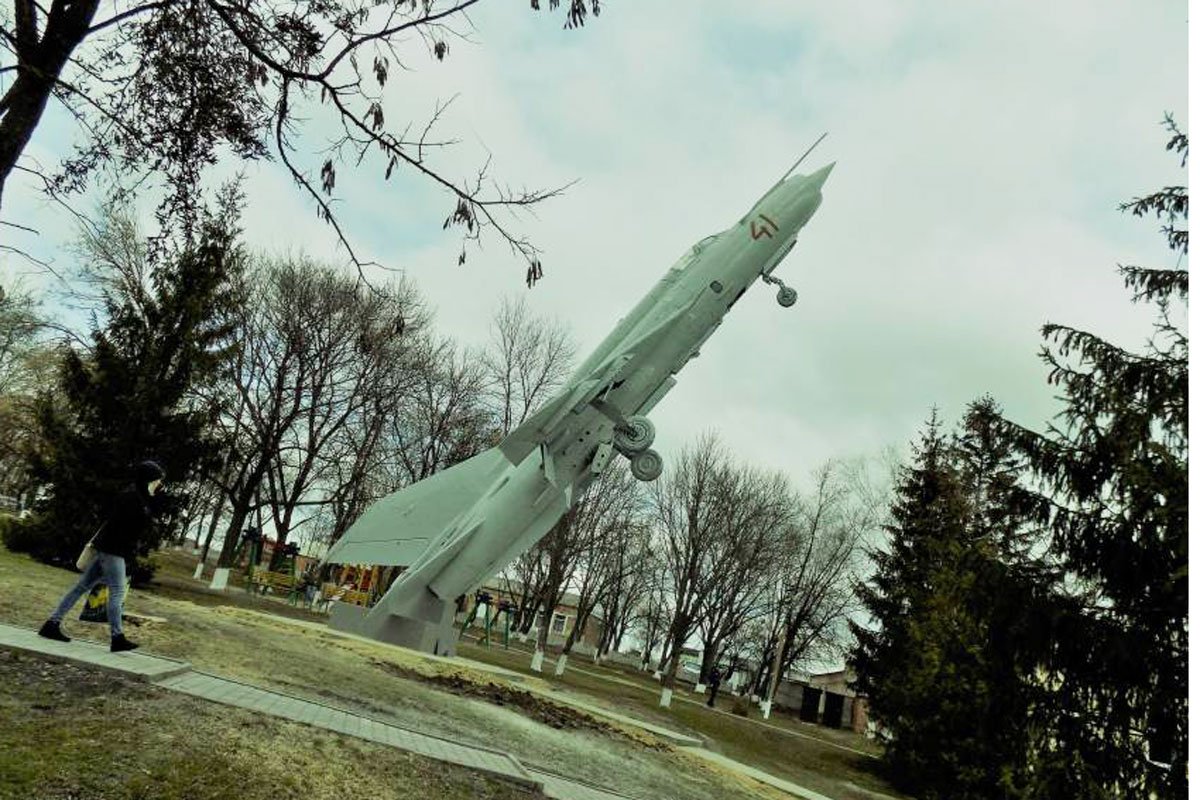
147 471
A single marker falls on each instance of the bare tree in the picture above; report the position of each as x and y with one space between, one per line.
441 420
315 345
690 502
744 557
26 364
163 88
816 576
352 343
527 359
618 501
626 583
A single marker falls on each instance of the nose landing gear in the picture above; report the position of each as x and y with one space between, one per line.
786 296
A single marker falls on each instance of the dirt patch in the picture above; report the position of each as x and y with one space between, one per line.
52 686
536 708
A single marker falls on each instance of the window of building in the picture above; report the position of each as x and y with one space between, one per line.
559 624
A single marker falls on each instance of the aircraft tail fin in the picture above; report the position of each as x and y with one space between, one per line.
399 529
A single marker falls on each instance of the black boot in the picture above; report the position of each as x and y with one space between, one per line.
120 644
51 630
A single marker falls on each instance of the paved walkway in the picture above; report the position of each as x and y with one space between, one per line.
179 676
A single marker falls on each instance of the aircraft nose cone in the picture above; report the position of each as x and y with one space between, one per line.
817 179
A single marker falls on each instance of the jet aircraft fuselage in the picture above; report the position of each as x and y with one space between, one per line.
461 526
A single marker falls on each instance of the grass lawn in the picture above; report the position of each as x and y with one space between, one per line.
229 635
820 759
72 732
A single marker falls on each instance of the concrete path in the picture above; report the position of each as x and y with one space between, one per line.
179 676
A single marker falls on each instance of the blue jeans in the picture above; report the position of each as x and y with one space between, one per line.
105 567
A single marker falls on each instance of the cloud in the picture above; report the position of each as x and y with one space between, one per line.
981 149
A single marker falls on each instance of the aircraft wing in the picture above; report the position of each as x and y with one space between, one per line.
400 528
543 425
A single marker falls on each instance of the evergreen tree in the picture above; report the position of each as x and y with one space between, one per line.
133 397
1112 482
959 603
907 666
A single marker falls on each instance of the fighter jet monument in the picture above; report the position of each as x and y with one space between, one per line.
460 526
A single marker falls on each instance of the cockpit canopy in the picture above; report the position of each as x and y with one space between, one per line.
693 253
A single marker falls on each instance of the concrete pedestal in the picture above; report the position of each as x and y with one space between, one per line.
436 636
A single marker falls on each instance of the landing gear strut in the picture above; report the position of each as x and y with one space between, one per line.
786 296
632 437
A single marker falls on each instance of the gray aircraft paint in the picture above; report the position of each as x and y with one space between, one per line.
464 524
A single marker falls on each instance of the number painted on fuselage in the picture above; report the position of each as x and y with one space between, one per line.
758 232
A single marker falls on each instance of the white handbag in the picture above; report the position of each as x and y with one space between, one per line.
89 552
86 557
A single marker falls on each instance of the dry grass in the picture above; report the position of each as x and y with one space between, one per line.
231 636
818 761
72 732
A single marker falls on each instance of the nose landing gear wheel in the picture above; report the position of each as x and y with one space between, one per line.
786 296
646 465
635 438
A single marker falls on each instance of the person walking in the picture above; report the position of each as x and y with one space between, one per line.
714 683
124 527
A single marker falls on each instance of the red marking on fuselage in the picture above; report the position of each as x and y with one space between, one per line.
757 233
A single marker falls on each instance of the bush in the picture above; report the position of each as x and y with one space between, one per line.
19 535
141 570
741 706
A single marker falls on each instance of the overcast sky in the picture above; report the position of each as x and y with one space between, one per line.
981 151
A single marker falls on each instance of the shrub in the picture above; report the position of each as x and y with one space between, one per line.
741 706
18 535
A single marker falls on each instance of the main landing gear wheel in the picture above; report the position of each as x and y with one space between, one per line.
786 296
636 437
646 465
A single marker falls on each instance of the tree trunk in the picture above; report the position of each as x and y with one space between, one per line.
212 528
233 533
668 678
707 658
547 618
39 63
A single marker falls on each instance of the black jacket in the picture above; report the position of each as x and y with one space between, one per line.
125 525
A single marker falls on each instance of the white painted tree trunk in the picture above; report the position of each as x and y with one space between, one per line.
561 665
664 699
536 664
220 579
